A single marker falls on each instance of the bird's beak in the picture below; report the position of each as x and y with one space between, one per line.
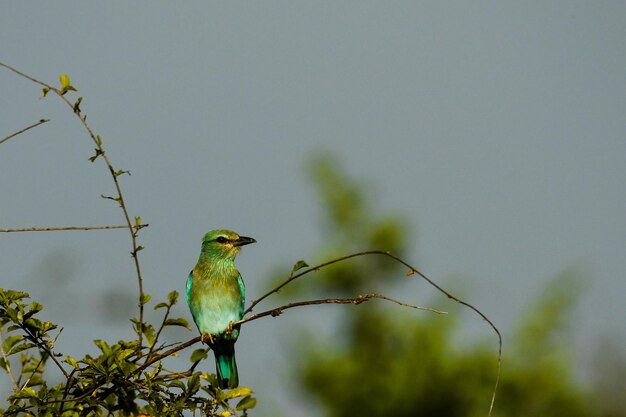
243 241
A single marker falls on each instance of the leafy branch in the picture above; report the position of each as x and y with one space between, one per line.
99 152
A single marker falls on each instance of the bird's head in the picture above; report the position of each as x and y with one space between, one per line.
224 244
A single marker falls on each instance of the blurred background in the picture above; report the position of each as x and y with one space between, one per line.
484 142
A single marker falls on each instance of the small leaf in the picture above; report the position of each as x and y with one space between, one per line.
237 392
246 403
177 322
161 305
299 265
172 297
21 347
65 80
35 308
9 342
44 92
148 331
71 361
198 354
137 219
193 385
143 300
177 384
77 105
410 272
96 155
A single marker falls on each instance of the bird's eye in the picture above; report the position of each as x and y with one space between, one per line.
221 239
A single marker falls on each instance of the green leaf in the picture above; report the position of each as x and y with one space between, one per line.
96 155
35 308
143 300
299 265
77 105
148 331
172 297
198 354
103 346
71 361
246 403
161 305
177 322
193 385
44 92
65 80
9 342
177 384
237 392
33 324
21 347
65 84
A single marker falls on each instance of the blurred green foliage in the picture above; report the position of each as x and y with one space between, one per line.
385 362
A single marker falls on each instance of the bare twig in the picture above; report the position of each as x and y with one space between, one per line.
156 338
70 228
275 312
114 174
40 122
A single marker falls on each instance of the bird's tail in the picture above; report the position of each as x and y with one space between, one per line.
227 376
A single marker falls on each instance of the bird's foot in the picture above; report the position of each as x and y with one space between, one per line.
207 339
229 328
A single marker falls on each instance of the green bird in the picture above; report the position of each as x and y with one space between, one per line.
216 296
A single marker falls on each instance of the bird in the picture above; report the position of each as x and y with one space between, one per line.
216 295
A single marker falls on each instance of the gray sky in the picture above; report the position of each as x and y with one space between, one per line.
496 128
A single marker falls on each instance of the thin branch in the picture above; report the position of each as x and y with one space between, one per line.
41 344
275 312
41 359
120 198
70 228
40 122
156 338
167 353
